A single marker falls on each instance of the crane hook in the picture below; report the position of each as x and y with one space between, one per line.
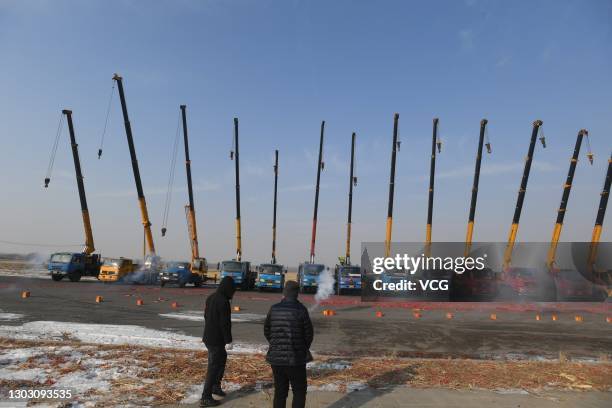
163 231
488 145
47 180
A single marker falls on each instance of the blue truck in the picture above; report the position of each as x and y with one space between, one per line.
348 278
270 276
308 276
179 273
73 265
240 271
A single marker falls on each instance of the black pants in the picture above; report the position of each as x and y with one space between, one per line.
217 357
283 376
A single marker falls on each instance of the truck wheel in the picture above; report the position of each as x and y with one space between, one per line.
74 277
162 284
182 284
244 285
57 277
198 283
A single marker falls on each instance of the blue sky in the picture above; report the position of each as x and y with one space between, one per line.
282 67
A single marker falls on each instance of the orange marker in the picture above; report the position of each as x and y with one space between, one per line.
493 316
139 302
25 294
99 299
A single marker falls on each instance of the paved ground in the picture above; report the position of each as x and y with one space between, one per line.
429 398
354 330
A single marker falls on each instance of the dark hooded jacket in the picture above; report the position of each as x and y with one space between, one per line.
218 316
289 331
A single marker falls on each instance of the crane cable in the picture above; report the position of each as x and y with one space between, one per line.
171 179
108 110
54 150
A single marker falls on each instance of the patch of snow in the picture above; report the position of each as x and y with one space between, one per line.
192 395
333 387
355 386
329 365
100 334
113 334
10 316
198 316
511 391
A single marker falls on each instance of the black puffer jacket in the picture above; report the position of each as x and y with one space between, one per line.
289 331
218 316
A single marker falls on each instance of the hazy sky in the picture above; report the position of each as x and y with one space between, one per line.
282 67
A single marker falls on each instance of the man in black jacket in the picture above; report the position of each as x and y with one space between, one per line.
289 331
217 333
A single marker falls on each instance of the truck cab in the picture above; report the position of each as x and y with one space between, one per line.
240 271
308 276
270 276
115 269
179 273
348 277
73 265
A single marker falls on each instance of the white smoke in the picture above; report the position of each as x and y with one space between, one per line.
325 286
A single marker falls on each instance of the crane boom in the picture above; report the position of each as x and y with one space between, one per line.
470 227
567 188
141 198
352 182
394 149
521 194
238 227
190 208
316 203
89 242
275 204
601 213
432 171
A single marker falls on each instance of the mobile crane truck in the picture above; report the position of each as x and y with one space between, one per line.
74 264
272 275
348 277
196 271
238 269
309 272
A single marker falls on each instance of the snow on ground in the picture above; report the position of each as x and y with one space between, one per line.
114 334
198 316
26 272
9 316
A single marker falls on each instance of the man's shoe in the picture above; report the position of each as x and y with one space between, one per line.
218 391
209 402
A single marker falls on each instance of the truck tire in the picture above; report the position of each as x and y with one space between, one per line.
162 284
198 282
57 277
182 283
74 277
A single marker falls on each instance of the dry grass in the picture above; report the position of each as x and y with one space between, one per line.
164 376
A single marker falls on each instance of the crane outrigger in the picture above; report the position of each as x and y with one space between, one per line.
84 263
